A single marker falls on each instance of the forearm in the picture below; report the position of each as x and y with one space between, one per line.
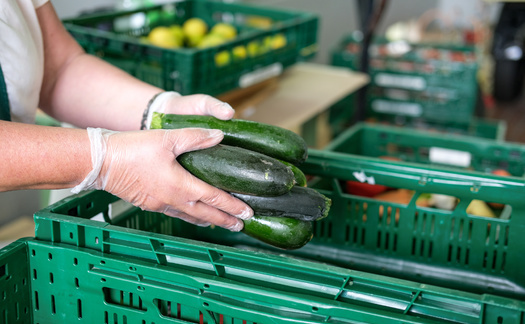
39 157
90 92
84 90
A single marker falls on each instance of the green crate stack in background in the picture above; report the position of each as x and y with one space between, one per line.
194 70
422 85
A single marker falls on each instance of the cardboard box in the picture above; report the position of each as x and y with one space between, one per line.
299 99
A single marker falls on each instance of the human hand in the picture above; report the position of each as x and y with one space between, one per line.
197 104
141 168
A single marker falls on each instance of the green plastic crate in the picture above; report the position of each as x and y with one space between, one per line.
190 70
171 280
451 249
429 82
431 148
341 117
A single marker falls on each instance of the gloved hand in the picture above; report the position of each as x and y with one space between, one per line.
141 167
199 104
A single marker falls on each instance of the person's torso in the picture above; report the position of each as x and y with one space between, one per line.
21 56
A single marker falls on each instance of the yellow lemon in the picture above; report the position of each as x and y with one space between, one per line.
225 30
210 40
161 36
195 28
239 52
222 58
278 41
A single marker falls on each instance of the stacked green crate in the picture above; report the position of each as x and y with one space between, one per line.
421 85
194 70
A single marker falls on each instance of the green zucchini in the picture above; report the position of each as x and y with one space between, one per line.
300 178
239 170
300 203
281 232
271 140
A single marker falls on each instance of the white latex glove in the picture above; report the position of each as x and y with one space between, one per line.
141 167
173 103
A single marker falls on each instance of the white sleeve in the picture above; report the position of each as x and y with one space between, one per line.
38 3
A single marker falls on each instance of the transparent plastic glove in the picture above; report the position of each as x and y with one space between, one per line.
198 104
141 168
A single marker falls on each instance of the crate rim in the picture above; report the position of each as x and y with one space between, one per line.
301 16
320 269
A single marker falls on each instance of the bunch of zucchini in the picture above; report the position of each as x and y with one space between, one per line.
257 163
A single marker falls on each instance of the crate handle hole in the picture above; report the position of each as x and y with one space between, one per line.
71 235
75 261
205 304
50 256
500 320
132 269
102 279
206 286
73 211
315 309
102 262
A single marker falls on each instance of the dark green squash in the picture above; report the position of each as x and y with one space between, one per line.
281 232
238 170
301 203
270 140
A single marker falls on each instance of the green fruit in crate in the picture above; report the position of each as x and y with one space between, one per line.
224 30
267 139
239 52
281 232
177 33
253 48
239 170
211 40
222 58
193 41
266 45
301 203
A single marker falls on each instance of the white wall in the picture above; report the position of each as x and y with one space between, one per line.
71 8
